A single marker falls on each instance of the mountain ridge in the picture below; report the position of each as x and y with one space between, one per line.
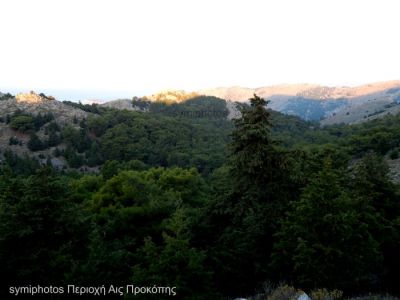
311 102
238 93
330 105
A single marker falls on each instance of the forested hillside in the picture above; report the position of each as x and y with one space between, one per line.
178 195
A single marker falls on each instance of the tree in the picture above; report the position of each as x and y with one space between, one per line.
54 139
110 168
35 144
22 123
257 165
41 232
372 182
326 239
249 214
131 207
165 264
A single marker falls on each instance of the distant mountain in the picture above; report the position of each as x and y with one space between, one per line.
311 102
329 105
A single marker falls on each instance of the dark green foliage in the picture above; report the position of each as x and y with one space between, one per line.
54 139
24 165
113 167
93 155
76 138
35 144
6 96
25 122
14 141
159 140
40 119
110 168
372 183
326 241
22 123
53 127
166 263
73 158
394 154
92 108
195 108
256 201
40 231
379 135
57 152
212 224
130 208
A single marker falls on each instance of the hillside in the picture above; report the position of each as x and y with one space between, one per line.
331 105
27 115
35 104
311 91
74 135
82 136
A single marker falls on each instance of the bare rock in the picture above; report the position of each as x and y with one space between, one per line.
31 97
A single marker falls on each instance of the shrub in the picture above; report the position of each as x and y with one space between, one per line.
22 123
35 144
324 294
13 141
285 292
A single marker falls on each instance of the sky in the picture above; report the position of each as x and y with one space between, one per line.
81 49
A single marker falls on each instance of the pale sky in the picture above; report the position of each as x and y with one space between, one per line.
93 48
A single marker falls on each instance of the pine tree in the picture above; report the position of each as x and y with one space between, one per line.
250 213
326 240
35 144
258 167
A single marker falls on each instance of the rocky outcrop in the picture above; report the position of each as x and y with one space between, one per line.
171 96
122 104
35 104
234 112
31 97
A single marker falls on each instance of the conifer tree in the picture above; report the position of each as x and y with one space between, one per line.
257 200
326 240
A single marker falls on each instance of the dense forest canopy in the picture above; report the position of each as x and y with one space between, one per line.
180 196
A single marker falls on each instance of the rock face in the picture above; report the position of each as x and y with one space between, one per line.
31 97
122 104
234 112
172 96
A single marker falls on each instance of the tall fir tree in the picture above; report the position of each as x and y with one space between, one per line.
249 214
